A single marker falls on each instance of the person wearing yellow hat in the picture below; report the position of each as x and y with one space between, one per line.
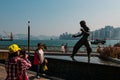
14 48
15 65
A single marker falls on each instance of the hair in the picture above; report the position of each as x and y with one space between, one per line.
11 55
23 52
82 22
40 45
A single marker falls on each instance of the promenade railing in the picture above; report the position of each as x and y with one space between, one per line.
49 48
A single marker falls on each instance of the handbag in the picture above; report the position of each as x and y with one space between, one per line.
45 67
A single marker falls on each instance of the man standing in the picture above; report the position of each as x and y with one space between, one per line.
85 32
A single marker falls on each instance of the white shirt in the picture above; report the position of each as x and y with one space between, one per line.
41 55
63 48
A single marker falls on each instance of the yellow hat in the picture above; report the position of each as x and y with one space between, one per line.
13 48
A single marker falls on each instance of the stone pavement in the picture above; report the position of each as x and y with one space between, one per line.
30 74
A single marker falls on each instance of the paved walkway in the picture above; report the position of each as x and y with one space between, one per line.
30 74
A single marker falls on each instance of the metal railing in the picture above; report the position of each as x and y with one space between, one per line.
49 48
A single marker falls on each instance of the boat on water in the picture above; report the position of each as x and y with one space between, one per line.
6 39
96 41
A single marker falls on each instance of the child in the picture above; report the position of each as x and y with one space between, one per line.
24 56
39 59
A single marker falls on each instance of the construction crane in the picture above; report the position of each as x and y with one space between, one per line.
9 39
6 33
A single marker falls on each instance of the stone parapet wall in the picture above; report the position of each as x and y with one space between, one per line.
3 55
70 70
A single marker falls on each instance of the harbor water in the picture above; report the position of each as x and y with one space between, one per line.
51 44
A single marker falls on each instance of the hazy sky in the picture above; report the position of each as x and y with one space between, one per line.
54 17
